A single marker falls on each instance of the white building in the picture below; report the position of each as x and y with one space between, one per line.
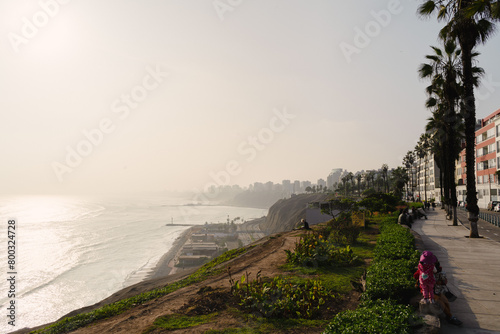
334 177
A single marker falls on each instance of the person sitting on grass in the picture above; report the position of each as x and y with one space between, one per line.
405 218
302 225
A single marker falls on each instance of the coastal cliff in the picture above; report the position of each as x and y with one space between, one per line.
255 199
286 213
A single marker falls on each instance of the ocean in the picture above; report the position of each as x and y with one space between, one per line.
72 252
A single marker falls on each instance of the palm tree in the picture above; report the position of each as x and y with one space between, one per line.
358 177
350 177
379 181
371 176
344 179
385 169
408 162
470 22
444 71
399 178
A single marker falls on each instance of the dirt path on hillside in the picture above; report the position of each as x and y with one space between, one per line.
267 256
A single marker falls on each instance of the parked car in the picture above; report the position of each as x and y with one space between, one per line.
497 208
492 205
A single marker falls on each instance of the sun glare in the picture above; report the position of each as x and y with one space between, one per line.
43 29
40 208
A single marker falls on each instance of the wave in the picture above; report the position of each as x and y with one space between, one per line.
141 273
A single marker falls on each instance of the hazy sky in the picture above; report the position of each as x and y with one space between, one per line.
129 95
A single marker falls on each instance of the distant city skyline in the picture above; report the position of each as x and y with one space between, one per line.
332 179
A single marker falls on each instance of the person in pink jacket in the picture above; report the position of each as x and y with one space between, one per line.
426 275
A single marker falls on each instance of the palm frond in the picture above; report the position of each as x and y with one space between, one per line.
437 50
485 29
427 8
425 70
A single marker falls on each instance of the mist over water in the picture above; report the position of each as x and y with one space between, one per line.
73 252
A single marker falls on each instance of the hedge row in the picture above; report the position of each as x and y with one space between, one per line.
391 274
389 285
374 317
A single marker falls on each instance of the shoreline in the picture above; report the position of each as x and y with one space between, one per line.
165 265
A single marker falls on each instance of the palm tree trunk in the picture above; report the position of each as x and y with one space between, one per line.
452 185
418 182
446 171
441 183
470 133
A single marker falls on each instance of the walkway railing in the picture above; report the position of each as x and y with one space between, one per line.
492 219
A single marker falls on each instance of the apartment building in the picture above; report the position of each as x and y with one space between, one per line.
426 176
487 153
461 175
334 177
486 156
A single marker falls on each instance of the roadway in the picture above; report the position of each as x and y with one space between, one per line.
485 228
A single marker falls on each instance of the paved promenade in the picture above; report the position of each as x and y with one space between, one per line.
473 270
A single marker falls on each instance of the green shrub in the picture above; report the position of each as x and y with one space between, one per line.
416 205
313 250
342 231
389 279
395 242
395 258
279 298
378 317
379 202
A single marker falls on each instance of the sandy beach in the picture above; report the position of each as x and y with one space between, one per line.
248 232
165 265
